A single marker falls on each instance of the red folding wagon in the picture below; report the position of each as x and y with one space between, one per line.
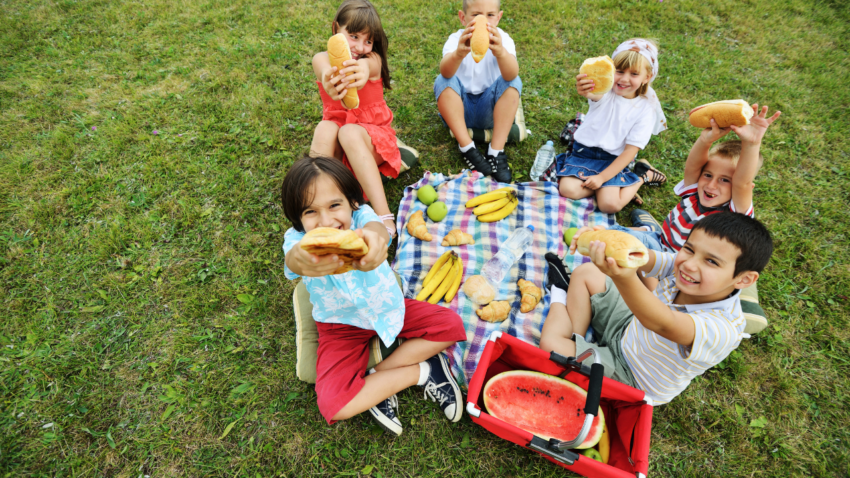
627 411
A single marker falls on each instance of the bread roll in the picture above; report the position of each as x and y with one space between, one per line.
347 245
725 114
456 237
601 71
479 290
480 41
338 52
625 248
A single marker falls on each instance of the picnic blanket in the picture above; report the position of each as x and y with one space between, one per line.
540 206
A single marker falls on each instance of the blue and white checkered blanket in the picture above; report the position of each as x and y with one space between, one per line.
540 206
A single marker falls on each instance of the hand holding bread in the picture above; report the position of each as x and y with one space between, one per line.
480 41
338 54
600 72
346 245
626 250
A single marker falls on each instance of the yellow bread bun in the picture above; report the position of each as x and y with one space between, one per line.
338 52
346 244
480 41
601 71
625 248
725 114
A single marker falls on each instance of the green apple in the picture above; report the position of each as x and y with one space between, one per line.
426 194
437 211
568 235
592 453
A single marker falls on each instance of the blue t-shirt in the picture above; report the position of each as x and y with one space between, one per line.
368 300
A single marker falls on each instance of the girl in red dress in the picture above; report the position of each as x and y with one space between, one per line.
363 138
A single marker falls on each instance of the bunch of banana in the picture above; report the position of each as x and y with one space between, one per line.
443 280
495 205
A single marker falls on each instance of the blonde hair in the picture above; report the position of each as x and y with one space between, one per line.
731 150
633 60
467 2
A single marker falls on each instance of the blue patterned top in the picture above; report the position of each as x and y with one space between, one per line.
368 300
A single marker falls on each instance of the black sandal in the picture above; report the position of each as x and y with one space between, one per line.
650 175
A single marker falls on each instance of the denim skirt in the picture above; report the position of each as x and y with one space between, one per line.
586 161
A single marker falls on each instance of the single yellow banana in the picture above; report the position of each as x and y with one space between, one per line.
447 282
436 267
487 197
491 206
501 213
450 294
605 444
436 280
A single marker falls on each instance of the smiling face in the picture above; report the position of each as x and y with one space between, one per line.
714 186
705 268
488 8
628 81
360 44
328 208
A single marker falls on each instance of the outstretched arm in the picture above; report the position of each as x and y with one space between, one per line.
751 136
648 309
699 151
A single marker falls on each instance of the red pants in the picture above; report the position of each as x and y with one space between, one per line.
344 351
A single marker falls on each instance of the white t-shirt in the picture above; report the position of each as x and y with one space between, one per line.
613 122
477 77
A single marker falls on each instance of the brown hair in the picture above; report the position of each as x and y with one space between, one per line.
632 60
296 192
360 16
467 2
731 150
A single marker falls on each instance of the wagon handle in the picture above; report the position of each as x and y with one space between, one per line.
594 392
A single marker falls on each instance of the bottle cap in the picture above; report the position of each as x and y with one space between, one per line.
550 143
531 227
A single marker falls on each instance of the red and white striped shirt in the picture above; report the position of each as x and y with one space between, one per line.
682 218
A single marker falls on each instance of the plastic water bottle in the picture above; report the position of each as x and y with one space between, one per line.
544 159
497 268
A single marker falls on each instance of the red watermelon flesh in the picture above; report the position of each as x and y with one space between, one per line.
547 406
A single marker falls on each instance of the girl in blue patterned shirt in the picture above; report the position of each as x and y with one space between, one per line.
352 307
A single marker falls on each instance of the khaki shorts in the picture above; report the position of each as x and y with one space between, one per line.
609 318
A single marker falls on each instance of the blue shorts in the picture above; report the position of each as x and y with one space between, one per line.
586 161
650 239
477 109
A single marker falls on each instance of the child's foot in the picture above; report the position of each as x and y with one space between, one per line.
641 218
650 175
476 161
557 275
385 413
442 388
501 170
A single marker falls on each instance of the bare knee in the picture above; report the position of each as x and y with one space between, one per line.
341 415
510 94
546 343
608 206
349 134
570 189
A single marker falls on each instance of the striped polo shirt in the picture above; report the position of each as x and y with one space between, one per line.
663 368
682 218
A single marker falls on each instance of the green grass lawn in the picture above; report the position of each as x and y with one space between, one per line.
146 324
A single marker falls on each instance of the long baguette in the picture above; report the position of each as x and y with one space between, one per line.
625 248
725 114
338 52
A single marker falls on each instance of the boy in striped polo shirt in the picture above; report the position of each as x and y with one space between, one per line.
659 341
717 179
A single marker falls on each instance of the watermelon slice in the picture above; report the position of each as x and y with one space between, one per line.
547 406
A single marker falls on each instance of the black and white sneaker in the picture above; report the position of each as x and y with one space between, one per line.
385 413
557 274
476 161
442 388
501 170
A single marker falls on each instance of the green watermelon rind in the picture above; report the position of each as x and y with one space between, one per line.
593 435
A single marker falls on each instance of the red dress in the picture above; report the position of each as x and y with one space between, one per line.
374 116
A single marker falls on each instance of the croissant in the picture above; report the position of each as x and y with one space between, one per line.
495 311
456 237
416 227
531 295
